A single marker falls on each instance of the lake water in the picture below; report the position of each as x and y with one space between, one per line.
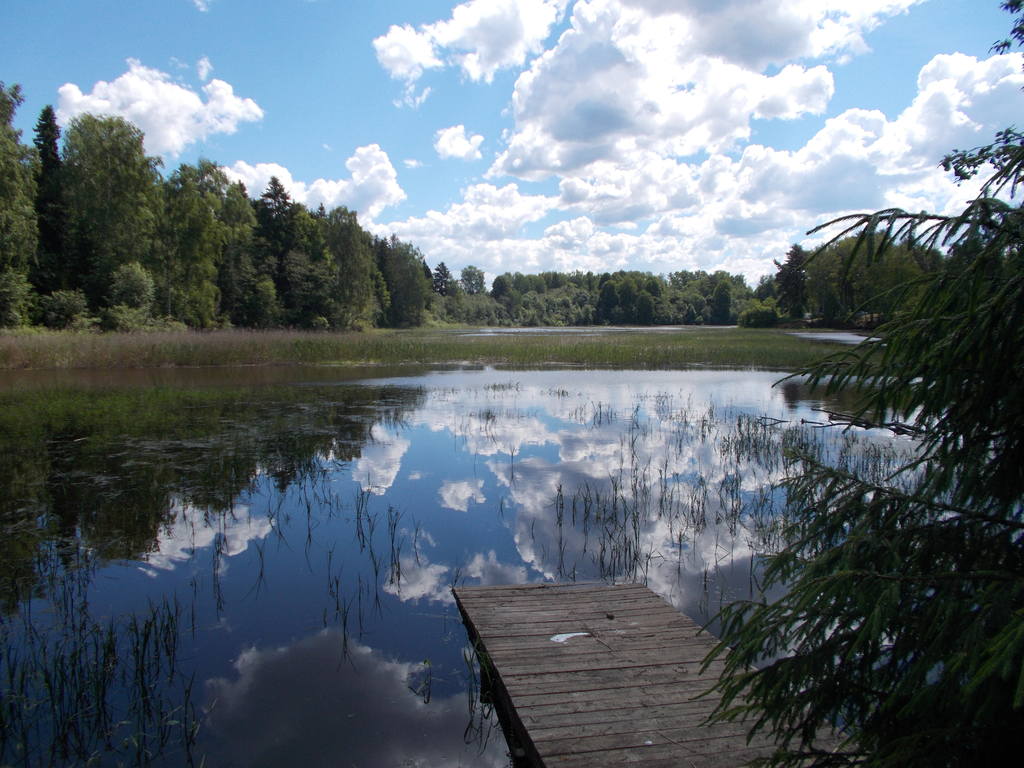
259 572
839 337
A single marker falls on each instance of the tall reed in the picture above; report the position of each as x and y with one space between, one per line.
654 348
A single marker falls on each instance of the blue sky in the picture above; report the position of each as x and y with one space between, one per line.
545 134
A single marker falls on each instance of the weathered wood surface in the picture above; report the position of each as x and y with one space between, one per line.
626 692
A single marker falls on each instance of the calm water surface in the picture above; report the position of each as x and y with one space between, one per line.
259 573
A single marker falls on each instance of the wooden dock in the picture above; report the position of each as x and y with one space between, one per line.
597 675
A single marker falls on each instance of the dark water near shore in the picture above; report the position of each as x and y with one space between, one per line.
253 566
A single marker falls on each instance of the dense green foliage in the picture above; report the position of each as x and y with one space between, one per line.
583 298
91 235
832 288
18 232
111 192
760 314
902 623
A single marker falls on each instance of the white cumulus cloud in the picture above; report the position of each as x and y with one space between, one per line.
371 187
621 80
453 142
405 53
487 35
171 115
484 229
756 33
481 37
860 160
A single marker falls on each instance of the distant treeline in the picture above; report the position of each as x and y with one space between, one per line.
585 298
93 236
831 288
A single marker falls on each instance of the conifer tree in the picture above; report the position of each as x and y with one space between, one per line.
442 280
276 233
50 271
791 282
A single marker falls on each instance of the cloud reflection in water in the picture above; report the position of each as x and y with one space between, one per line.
191 530
312 704
664 477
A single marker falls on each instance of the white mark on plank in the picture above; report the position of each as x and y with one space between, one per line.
568 636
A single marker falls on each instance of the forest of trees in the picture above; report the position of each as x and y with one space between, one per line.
92 235
585 298
833 289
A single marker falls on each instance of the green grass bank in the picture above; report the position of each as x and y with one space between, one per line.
760 348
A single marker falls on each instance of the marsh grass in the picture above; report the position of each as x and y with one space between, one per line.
759 348
159 412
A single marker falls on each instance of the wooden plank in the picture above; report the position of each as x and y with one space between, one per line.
692 740
524 624
596 674
652 624
552 716
580 596
658 756
512 623
634 729
519 665
657 694
609 682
